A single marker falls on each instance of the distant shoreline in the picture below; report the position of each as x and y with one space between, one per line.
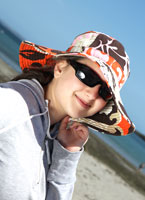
140 135
6 72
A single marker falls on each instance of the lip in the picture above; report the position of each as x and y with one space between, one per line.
82 103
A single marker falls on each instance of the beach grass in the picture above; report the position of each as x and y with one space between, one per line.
100 150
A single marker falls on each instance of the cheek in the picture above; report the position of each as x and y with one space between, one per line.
72 84
98 106
101 104
67 86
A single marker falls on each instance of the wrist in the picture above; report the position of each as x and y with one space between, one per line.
73 149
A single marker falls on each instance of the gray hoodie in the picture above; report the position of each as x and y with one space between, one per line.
33 164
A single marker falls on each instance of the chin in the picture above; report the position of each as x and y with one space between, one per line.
74 112
77 115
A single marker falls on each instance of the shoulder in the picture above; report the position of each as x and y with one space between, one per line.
20 99
29 90
12 106
10 99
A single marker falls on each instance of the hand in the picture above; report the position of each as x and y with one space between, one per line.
74 137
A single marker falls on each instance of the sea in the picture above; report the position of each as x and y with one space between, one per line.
131 147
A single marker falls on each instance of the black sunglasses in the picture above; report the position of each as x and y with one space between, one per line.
87 76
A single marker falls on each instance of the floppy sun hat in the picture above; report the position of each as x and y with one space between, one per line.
113 62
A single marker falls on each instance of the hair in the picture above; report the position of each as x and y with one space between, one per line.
42 74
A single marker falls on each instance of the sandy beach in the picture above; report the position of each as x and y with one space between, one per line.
102 174
96 180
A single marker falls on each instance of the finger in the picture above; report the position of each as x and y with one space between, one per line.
82 131
64 122
83 134
75 124
83 128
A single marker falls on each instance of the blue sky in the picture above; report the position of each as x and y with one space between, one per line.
56 23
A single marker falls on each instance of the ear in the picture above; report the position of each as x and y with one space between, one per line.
59 68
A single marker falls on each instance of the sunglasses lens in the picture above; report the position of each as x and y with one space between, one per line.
90 78
87 76
81 75
104 92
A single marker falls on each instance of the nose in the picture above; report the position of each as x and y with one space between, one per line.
92 92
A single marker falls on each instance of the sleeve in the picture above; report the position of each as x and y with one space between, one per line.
62 173
13 109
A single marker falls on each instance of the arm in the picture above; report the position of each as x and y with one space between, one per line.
62 173
65 157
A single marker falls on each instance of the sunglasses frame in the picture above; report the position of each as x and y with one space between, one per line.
104 91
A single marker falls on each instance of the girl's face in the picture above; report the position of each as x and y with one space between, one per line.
71 96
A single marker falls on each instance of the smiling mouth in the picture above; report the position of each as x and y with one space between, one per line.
82 103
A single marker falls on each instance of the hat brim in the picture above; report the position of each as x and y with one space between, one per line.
110 120
113 119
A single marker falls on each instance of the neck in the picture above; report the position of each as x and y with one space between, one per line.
55 112
55 115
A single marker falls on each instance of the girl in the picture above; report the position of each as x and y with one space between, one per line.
46 110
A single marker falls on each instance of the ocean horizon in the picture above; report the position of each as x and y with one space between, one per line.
130 147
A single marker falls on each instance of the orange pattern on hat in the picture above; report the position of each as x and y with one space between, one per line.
89 51
125 125
31 54
26 51
69 49
117 69
119 72
113 64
